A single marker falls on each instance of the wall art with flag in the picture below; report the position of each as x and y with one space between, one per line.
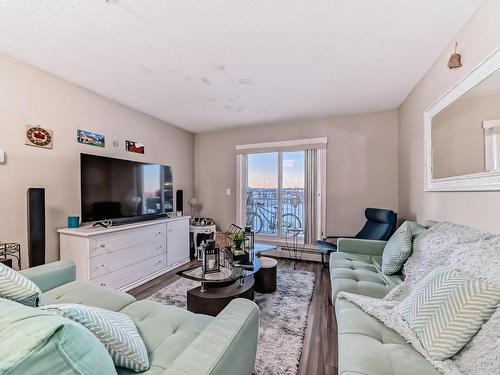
38 136
136 147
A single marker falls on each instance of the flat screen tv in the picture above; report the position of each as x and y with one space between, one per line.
124 190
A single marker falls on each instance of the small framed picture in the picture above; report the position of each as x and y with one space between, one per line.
38 136
136 147
89 138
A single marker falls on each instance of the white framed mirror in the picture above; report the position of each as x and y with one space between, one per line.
462 133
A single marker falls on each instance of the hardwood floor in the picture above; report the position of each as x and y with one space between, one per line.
145 290
319 354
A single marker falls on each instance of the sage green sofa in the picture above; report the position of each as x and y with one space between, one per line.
178 341
366 345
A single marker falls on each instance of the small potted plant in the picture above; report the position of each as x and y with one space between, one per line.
238 239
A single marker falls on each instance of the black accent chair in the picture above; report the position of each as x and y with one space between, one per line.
380 224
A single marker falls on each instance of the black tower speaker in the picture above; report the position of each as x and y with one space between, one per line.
36 226
179 200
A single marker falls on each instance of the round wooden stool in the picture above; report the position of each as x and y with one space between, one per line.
265 278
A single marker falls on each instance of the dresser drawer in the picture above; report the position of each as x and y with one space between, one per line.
109 243
106 263
130 274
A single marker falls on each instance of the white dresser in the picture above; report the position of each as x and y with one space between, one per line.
126 256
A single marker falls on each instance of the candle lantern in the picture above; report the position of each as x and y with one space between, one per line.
210 258
249 238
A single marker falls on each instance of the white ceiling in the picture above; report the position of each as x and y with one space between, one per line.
182 60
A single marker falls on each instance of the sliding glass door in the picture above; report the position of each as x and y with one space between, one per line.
275 192
292 191
262 193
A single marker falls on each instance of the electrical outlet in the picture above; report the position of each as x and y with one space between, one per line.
228 191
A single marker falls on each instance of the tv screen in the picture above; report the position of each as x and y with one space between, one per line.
124 190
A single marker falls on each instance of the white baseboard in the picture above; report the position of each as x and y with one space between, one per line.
310 255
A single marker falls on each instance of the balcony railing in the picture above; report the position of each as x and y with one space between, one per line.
262 210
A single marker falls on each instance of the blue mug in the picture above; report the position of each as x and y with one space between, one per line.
73 221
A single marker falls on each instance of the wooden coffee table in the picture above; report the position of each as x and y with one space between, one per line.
218 289
215 298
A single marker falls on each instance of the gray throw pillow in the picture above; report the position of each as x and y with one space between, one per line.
416 229
397 250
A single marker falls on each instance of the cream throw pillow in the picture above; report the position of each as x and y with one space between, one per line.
18 288
115 330
447 308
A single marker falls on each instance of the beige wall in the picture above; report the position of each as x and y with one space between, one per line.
31 96
479 37
362 166
458 136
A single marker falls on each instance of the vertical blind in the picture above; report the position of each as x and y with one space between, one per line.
311 208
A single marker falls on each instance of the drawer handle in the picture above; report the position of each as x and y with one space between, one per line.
160 261
159 247
158 233
101 265
103 245
103 284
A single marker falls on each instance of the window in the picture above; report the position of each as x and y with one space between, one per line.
281 189
275 192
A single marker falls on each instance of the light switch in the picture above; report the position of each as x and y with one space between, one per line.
2 157
228 191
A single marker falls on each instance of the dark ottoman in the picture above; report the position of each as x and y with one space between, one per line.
265 278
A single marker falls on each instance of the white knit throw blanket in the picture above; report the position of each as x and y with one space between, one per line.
458 247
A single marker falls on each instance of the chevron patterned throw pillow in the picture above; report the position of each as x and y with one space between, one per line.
115 330
397 250
447 308
18 288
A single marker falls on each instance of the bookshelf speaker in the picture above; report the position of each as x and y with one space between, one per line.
36 226
179 200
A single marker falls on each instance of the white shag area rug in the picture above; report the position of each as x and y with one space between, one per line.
283 319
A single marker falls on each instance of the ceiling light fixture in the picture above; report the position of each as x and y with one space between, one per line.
455 59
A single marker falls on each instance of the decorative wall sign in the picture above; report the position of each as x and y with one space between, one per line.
136 147
38 136
89 138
